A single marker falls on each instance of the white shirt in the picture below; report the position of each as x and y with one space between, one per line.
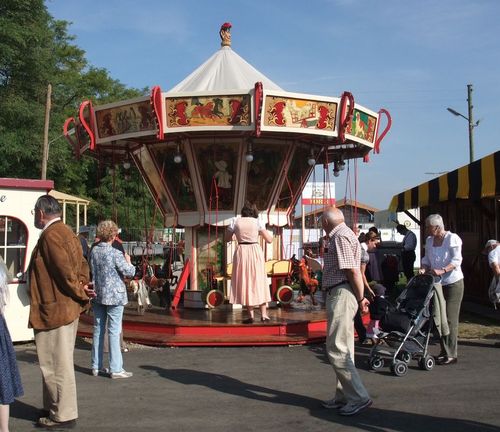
494 256
450 252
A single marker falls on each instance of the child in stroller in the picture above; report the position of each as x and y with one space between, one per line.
407 329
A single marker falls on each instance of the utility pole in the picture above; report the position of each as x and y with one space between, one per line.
471 123
45 151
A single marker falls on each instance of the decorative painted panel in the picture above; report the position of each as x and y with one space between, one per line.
125 119
176 176
264 171
233 110
299 113
363 126
217 163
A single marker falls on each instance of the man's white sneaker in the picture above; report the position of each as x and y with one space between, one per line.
122 374
96 372
352 408
332 404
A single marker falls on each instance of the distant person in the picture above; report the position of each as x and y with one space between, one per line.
443 257
83 236
343 283
408 255
373 271
378 307
10 380
109 266
369 244
492 249
59 275
249 285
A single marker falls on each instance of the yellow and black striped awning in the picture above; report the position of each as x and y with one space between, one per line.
480 179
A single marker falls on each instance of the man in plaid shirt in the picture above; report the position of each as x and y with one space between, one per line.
343 284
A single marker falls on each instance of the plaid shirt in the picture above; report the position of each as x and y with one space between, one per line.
344 252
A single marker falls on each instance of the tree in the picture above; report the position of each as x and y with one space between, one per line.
35 49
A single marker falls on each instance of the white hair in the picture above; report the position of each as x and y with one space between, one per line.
435 220
4 285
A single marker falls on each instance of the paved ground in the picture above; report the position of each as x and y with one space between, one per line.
270 389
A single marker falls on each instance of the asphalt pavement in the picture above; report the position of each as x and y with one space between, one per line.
269 389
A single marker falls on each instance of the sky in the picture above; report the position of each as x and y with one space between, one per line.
412 58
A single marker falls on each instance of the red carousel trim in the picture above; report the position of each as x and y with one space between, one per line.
379 139
89 127
157 104
258 99
345 113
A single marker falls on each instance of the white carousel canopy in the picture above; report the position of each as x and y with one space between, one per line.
225 70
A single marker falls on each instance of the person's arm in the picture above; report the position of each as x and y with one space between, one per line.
496 270
266 235
455 257
123 264
366 285
67 265
228 236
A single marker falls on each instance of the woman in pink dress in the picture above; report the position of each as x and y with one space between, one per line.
249 285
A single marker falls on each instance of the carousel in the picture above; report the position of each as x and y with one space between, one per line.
223 136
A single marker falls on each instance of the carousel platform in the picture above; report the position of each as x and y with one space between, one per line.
221 326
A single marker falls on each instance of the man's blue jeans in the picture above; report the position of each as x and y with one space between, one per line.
112 316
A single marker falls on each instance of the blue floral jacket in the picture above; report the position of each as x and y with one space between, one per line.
109 267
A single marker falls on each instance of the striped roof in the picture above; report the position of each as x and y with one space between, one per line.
479 179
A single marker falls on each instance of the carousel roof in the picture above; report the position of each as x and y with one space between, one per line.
225 70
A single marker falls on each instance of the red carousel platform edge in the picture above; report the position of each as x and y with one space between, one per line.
218 327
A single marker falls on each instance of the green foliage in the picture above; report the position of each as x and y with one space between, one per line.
36 50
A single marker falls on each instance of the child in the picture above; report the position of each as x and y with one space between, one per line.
10 381
378 308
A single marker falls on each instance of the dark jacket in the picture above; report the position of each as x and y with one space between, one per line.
57 272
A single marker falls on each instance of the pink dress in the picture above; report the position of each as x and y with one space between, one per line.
249 285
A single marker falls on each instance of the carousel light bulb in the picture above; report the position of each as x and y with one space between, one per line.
178 158
249 157
336 173
311 161
126 165
341 165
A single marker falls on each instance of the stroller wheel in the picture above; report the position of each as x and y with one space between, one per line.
399 368
427 363
404 356
376 363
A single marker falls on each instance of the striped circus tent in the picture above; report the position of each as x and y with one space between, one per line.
479 179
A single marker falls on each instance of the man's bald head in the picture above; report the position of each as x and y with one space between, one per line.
331 218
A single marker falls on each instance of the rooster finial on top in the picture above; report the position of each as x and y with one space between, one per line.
225 34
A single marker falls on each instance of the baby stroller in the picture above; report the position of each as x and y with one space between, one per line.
406 329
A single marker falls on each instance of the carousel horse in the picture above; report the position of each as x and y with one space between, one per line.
308 284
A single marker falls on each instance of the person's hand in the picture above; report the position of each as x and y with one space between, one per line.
437 272
363 305
89 290
421 271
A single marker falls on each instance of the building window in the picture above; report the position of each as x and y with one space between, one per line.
13 238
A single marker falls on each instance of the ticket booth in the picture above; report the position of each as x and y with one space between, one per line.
18 237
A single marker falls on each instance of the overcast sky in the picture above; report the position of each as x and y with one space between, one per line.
413 58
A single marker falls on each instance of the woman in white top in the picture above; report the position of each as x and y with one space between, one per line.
443 257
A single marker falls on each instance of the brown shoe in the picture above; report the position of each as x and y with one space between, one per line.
48 423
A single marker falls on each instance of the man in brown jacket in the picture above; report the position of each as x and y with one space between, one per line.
58 290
